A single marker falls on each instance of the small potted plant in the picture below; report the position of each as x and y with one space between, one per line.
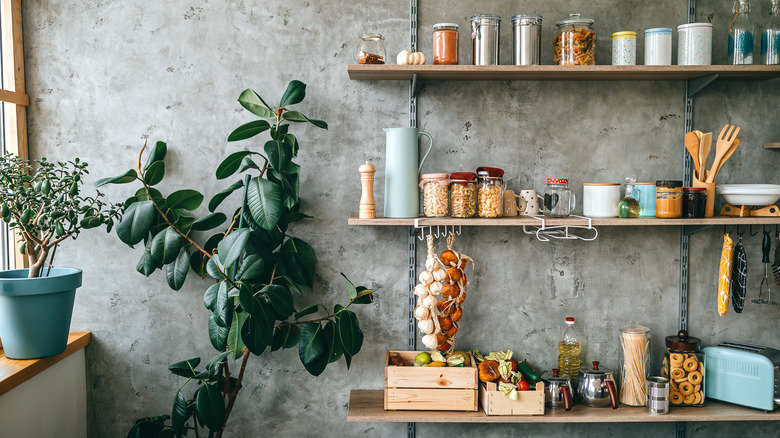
41 201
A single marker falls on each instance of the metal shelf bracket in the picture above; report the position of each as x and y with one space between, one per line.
698 84
693 229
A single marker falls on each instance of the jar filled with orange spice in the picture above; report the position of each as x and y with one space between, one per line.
445 43
668 199
575 42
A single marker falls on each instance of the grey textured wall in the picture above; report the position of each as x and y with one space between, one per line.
103 75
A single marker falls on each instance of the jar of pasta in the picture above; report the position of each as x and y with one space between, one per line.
634 355
490 196
445 44
435 196
463 194
575 42
683 364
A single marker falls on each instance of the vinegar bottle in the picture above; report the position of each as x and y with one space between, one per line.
741 35
628 207
770 38
569 348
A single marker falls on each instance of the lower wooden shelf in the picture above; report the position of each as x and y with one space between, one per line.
368 406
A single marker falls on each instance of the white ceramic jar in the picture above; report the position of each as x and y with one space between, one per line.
600 200
658 46
624 48
694 44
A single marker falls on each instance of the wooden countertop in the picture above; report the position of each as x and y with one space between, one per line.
15 372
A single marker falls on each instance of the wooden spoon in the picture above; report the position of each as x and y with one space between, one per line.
725 140
692 145
726 157
704 152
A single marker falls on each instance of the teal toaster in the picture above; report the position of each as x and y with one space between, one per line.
743 374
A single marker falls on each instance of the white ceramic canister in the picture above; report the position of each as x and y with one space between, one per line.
624 48
600 200
694 44
658 46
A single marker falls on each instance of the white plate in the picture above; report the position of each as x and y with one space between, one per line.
757 199
763 189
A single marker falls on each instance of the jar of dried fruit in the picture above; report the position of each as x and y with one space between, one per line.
683 364
370 49
435 196
490 196
463 194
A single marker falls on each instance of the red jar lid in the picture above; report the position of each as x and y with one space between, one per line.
557 181
465 176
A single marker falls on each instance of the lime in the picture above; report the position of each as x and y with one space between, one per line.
423 358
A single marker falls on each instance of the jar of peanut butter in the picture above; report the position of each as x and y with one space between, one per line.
445 43
668 199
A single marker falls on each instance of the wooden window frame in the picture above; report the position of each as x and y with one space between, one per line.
13 95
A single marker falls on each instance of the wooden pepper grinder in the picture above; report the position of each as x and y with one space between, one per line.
367 207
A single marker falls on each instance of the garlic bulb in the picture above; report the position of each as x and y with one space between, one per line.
429 301
430 341
426 326
435 288
426 278
440 275
421 312
430 263
421 291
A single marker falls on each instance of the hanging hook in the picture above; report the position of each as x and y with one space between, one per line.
460 230
751 231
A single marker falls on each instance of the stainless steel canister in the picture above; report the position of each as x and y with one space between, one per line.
485 37
657 395
527 39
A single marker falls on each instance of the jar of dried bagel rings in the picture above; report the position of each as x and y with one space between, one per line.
683 364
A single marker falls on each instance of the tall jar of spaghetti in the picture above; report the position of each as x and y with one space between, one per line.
445 44
634 356
683 364
575 42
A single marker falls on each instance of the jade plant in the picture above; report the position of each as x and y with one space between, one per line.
254 266
41 200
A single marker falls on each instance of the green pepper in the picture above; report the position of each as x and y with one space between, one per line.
528 372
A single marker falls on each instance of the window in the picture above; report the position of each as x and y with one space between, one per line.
13 111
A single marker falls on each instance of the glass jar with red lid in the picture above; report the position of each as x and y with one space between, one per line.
463 194
559 199
694 201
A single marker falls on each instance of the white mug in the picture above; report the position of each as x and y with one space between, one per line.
531 203
600 200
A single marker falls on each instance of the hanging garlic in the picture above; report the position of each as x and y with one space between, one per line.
431 264
426 326
426 278
429 301
421 291
440 275
435 288
421 313
430 341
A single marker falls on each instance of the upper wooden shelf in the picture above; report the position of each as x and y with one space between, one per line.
570 221
368 406
366 72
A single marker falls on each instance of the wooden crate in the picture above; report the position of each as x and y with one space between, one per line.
411 388
494 402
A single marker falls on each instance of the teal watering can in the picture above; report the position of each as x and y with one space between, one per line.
402 172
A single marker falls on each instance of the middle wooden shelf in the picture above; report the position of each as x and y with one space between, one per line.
569 221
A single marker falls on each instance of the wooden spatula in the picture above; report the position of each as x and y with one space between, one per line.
725 140
704 152
692 145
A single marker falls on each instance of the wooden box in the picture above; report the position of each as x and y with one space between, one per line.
494 402
411 388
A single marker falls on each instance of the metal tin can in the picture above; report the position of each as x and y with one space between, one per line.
527 39
658 46
657 395
485 38
445 44
694 44
624 48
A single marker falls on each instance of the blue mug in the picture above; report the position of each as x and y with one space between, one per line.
646 198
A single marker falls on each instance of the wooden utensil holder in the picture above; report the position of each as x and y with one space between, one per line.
709 211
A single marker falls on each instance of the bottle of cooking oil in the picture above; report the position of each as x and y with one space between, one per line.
569 349
628 207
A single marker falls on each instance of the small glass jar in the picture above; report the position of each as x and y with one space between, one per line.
490 195
435 197
683 364
445 44
559 200
694 201
370 49
575 42
463 194
668 199
634 356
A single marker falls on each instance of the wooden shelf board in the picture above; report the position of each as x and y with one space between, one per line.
368 406
15 372
520 221
559 73
772 145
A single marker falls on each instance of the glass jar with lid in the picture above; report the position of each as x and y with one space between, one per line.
634 356
575 42
463 194
435 197
370 49
683 364
490 196
559 199
445 44
668 199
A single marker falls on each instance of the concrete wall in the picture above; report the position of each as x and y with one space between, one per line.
105 75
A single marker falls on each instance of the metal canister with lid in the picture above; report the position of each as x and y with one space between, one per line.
575 42
624 48
485 38
683 364
526 39
435 197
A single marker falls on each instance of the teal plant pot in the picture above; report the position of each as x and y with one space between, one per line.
35 312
